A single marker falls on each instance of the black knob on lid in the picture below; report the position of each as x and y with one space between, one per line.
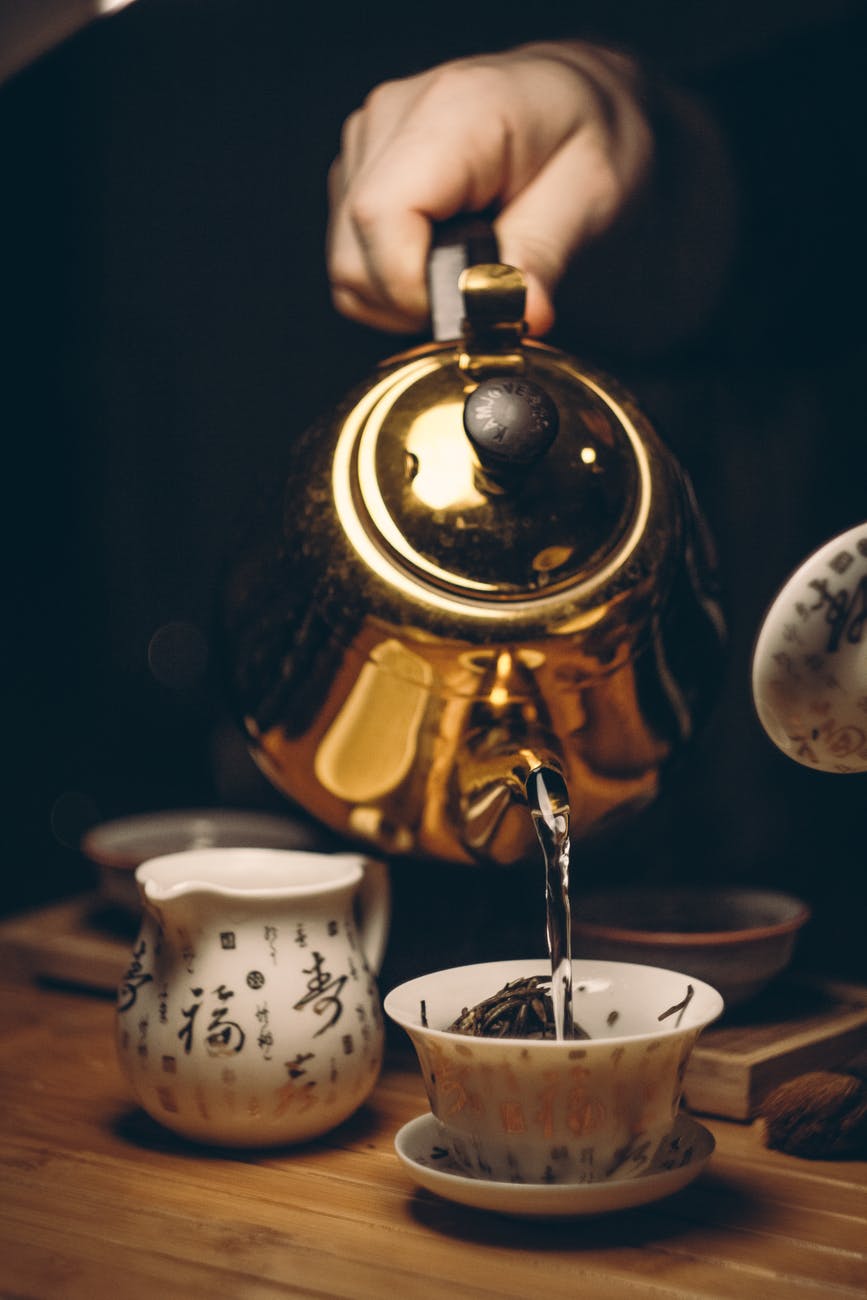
510 421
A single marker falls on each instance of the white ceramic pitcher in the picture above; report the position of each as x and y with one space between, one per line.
249 1014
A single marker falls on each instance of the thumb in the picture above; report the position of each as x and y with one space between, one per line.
574 198
541 257
541 282
539 312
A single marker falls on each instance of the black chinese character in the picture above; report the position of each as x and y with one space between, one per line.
133 980
323 992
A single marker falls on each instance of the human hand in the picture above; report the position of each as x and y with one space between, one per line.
555 136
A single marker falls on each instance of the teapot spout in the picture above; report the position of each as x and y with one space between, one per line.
493 797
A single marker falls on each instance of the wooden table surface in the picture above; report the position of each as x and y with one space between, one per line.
97 1200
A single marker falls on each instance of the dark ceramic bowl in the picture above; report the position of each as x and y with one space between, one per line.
737 939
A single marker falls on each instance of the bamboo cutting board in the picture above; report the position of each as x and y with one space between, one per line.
794 1026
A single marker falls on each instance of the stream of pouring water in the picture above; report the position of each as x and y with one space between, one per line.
548 800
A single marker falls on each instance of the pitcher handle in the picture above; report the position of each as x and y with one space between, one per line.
374 908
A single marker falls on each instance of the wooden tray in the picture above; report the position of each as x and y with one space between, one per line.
795 1026
84 941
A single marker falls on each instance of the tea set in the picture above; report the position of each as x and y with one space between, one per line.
249 1016
485 559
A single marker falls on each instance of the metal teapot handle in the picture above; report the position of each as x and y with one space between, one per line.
457 244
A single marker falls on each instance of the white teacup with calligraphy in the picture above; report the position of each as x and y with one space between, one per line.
810 659
533 1110
249 1014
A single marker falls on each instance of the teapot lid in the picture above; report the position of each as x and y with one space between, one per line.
419 470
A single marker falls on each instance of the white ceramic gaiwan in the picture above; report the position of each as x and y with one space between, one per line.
249 1013
809 675
546 1111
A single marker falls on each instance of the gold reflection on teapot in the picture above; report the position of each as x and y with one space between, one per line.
441 472
388 700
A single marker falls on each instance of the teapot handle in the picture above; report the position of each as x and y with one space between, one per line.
457 244
374 911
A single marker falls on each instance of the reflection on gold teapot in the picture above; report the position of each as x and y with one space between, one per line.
485 559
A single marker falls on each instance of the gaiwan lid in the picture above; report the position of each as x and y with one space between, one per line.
489 467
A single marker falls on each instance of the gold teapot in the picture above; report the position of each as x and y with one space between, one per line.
486 560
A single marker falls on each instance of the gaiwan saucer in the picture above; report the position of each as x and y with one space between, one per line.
677 1162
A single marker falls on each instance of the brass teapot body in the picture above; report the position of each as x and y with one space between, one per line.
429 617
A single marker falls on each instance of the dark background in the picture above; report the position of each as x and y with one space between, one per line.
167 330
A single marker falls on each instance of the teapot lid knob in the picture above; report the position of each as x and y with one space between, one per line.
510 421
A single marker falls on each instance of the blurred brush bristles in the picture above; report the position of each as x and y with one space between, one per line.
818 1116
